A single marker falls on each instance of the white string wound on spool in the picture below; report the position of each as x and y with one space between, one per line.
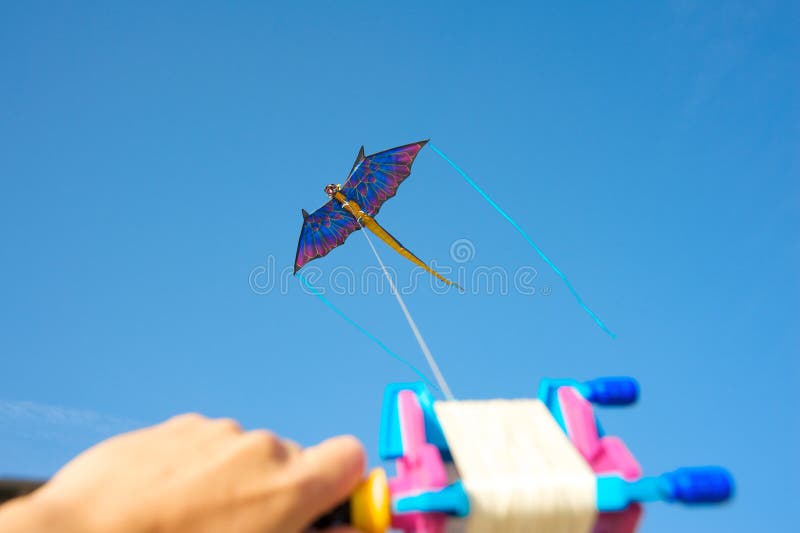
519 469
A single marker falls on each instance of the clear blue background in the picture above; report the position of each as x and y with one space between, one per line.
152 156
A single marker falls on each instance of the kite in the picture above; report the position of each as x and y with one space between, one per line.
373 180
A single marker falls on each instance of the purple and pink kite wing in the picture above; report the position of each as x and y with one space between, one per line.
323 230
376 178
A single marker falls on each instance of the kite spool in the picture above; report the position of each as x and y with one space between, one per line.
523 465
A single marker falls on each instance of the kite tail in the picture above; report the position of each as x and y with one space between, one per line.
316 292
528 240
369 222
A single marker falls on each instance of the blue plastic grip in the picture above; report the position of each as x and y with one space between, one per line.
452 500
705 484
620 390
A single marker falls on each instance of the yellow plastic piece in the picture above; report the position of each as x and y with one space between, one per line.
370 506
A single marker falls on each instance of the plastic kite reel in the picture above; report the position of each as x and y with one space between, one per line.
426 492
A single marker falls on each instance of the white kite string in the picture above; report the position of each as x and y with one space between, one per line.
422 344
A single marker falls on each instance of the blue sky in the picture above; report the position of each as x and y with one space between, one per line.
153 157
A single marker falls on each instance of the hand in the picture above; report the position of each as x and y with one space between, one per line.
192 474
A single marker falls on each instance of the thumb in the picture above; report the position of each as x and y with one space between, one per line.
328 473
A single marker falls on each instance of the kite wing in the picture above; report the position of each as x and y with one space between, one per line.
375 178
323 230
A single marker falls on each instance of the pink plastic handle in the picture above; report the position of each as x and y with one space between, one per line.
604 454
419 469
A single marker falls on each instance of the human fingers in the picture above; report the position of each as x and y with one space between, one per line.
183 421
327 474
269 446
194 423
292 448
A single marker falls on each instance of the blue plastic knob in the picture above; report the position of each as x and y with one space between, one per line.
620 390
706 484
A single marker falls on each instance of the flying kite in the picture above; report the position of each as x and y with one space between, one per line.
373 180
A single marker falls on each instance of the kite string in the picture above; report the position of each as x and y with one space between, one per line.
316 292
422 344
528 239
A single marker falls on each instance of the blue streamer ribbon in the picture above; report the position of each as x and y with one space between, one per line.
528 239
363 331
